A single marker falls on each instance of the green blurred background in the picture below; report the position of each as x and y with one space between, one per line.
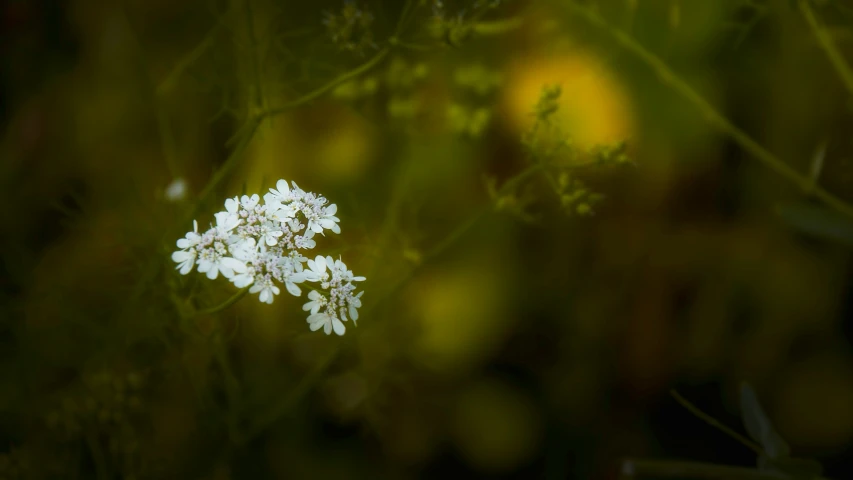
493 345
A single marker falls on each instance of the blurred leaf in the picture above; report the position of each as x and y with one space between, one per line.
817 221
758 425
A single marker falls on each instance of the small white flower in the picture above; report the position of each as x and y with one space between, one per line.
317 302
345 274
328 220
226 221
354 302
245 250
212 261
317 272
267 288
278 201
242 280
249 203
269 233
232 205
187 255
305 241
327 322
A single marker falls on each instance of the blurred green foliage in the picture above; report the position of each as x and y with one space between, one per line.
563 208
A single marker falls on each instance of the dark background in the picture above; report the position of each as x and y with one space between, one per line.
525 349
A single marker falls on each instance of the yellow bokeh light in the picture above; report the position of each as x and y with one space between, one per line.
594 108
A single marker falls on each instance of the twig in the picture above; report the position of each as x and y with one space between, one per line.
222 306
823 37
669 77
716 424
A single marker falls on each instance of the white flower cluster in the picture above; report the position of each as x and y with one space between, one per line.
260 245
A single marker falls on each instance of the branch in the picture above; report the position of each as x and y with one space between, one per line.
823 37
669 77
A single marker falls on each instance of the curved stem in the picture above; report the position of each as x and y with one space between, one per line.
326 87
669 77
222 306
184 63
714 423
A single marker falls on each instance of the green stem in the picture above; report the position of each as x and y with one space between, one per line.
256 67
244 140
172 78
222 306
498 27
670 78
343 78
458 232
823 37
282 407
232 387
714 423
312 378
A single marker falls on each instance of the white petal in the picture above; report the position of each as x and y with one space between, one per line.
327 328
181 256
320 262
213 272
316 325
265 296
292 289
233 264
282 186
353 313
338 326
331 209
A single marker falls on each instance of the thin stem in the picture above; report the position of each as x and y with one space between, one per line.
457 233
282 407
191 57
244 140
256 67
343 78
164 129
714 423
313 377
222 306
232 387
670 78
825 40
498 27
